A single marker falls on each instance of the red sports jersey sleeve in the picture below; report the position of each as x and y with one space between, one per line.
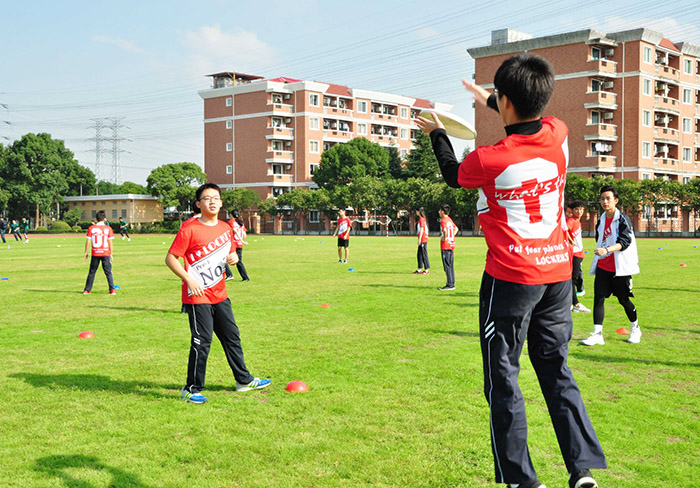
521 194
204 249
100 235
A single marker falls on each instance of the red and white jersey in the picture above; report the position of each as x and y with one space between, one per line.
423 230
344 226
448 229
239 233
573 228
521 183
608 262
204 249
100 235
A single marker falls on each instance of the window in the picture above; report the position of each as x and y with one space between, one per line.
277 145
362 129
595 117
115 214
646 56
687 155
229 101
82 203
687 94
229 146
313 100
404 112
687 125
314 216
595 53
646 150
94 213
94 204
596 85
646 176
123 213
688 66
362 107
313 123
82 215
229 169
404 153
229 124
686 179
646 118
313 168
404 133
276 98
646 86
277 122
313 147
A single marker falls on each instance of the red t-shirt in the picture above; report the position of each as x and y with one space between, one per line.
100 235
344 226
204 249
573 228
608 262
521 190
448 229
238 233
423 225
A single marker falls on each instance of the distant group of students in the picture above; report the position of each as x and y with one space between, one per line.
20 230
448 232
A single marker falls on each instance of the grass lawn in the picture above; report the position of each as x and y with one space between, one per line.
393 366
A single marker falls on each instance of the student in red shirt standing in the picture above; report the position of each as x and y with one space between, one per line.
205 245
573 235
342 230
423 235
448 230
100 236
239 235
526 288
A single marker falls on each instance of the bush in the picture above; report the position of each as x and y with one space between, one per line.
84 225
77 228
40 230
60 226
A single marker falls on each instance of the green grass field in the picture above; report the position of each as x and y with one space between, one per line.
393 366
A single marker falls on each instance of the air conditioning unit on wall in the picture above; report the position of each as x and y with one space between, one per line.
608 115
609 52
608 84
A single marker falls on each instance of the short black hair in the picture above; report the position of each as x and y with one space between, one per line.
206 186
445 208
611 188
528 82
100 215
576 204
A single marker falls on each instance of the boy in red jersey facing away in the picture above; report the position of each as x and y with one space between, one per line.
448 231
100 236
342 230
573 236
239 236
205 245
613 265
526 288
423 236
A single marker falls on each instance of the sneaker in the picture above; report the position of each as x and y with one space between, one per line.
446 288
112 291
417 272
246 279
528 484
345 261
256 384
340 261
123 238
582 479
580 293
635 335
193 397
129 239
581 308
427 271
86 292
595 339
229 278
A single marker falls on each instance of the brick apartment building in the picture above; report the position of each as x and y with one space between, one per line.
268 134
631 100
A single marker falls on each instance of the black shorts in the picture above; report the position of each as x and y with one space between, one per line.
606 284
343 242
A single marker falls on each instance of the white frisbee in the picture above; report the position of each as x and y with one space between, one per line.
455 125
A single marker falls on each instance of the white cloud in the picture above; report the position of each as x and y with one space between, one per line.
241 50
120 43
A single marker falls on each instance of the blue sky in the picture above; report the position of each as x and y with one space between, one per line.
67 63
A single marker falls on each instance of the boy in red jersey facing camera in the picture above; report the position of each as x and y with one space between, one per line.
342 230
100 236
526 288
205 245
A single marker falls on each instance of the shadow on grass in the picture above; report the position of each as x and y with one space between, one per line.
53 290
655 289
57 467
578 354
95 382
458 333
140 309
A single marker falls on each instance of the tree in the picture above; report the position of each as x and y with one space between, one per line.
652 192
73 216
580 188
268 206
136 189
240 198
107 188
421 161
298 199
395 163
344 163
175 184
629 192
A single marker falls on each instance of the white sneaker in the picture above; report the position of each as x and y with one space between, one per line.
635 335
123 238
580 293
581 308
595 339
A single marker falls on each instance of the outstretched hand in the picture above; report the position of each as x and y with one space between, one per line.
480 94
427 125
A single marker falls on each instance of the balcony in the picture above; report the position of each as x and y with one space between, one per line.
601 160
280 179
281 108
666 134
664 162
338 111
279 157
602 132
669 104
284 133
603 65
600 99
337 135
664 71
